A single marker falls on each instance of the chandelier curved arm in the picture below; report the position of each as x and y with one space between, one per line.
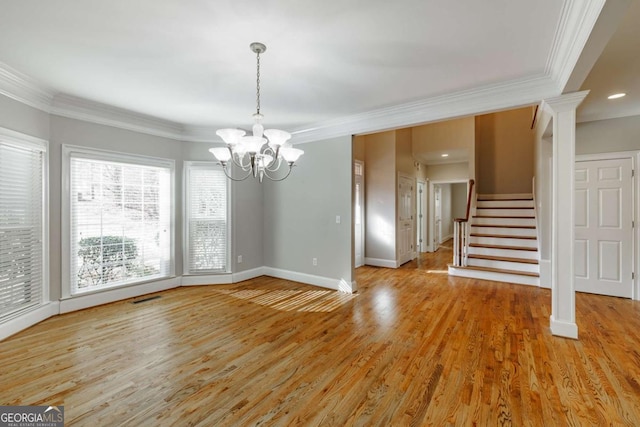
226 172
291 165
240 163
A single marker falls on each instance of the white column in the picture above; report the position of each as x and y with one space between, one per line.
563 305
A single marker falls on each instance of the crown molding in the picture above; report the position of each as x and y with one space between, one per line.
485 99
577 19
95 112
24 89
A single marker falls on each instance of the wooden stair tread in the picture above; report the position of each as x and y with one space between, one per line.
528 227
504 258
504 207
508 247
502 236
500 270
501 216
510 199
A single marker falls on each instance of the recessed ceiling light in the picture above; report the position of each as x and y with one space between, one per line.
445 155
616 95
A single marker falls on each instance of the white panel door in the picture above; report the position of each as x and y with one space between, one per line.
406 208
603 227
421 217
437 238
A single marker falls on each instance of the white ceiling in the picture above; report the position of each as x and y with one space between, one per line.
189 62
616 70
330 68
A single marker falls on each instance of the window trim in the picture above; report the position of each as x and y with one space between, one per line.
21 140
186 215
69 151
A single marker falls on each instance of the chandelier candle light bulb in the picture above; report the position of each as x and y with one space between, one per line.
260 154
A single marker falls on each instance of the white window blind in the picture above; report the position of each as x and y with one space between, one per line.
207 219
120 222
21 228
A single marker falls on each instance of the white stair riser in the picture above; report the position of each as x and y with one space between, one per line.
504 231
505 212
497 277
511 253
504 241
504 265
504 203
524 222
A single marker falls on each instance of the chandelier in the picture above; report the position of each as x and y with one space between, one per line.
264 153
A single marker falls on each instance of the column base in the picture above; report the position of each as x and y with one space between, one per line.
563 329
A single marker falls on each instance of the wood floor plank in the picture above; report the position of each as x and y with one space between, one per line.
412 347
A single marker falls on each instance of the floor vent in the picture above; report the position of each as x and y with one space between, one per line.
146 299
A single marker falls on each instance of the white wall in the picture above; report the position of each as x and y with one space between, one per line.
446 212
606 136
300 215
17 116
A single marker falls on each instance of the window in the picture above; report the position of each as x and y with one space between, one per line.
22 223
206 219
120 218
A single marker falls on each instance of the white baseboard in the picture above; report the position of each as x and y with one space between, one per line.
29 319
545 273
310 279
222 279
377 262
563 329
85 301
445 238
241 276
206 279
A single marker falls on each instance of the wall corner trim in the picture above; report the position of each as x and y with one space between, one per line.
309 279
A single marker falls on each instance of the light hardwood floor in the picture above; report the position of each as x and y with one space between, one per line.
412 347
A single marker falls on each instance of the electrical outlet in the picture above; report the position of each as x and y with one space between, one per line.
315 261
337 219
239 259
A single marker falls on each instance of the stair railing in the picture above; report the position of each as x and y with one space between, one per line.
461 233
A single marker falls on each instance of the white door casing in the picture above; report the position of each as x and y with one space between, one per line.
406 209
358 209
603 227
421 217
437 239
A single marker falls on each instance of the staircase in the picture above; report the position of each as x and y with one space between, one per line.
502 244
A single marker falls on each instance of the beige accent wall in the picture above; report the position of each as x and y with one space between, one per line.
458 200
450 135
358 147
447 172
504 152
404 154
380 195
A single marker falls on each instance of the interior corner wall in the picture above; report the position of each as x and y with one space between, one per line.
504 152
380 197
458 200
300 213
22 118
91 135
358 147
446 212
246 209
607 136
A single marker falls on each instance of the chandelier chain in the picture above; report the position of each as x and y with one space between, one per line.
258 82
